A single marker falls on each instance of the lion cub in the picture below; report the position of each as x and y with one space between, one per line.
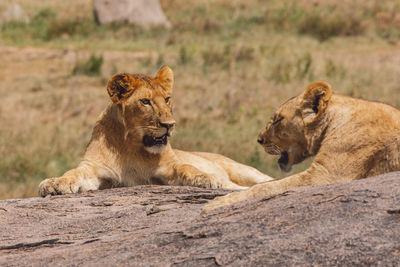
129 145
350 139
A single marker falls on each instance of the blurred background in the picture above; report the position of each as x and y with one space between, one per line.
235 62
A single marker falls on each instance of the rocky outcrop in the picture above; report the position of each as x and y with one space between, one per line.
14 13
145 13
355 223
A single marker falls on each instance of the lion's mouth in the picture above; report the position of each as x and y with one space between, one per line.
149 141
283 161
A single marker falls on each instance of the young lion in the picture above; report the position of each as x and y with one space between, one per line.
350 139
129 145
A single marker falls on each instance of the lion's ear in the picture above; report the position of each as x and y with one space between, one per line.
165 77
120 87
315 101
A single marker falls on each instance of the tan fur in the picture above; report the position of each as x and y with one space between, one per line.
117 155
350 139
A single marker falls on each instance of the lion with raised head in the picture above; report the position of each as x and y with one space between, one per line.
350 139
129 145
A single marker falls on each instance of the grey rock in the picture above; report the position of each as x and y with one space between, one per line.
14 13
146 13
347 224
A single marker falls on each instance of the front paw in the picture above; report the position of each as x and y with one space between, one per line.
58 186
189 175
205 181
224 201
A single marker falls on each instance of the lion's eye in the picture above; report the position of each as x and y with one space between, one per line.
167 99
145 101
277 120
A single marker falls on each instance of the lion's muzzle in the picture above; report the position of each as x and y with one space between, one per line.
272 149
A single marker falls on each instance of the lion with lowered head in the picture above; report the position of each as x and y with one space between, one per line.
350 139
129 145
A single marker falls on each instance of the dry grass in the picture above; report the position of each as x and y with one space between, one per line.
235 62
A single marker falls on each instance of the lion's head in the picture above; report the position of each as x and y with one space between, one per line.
145 106
297 126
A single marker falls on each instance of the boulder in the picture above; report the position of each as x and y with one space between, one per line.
145 13
14 13
347 224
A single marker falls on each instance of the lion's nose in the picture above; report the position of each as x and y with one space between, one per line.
168 124
260 140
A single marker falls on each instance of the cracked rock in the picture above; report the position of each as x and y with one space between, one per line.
346 224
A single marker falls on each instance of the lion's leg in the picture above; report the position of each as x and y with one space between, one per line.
244 175
308 177
239 174
185 174
76 180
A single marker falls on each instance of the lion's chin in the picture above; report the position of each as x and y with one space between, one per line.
156 149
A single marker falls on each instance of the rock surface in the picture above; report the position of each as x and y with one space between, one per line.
355 223
14 13
146 13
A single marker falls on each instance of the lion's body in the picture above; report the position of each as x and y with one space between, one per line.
128 146
362 140
350 139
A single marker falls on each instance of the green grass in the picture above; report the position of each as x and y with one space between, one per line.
90 67
197 24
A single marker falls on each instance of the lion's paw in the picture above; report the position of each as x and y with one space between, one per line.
205 181
224 201
58 186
